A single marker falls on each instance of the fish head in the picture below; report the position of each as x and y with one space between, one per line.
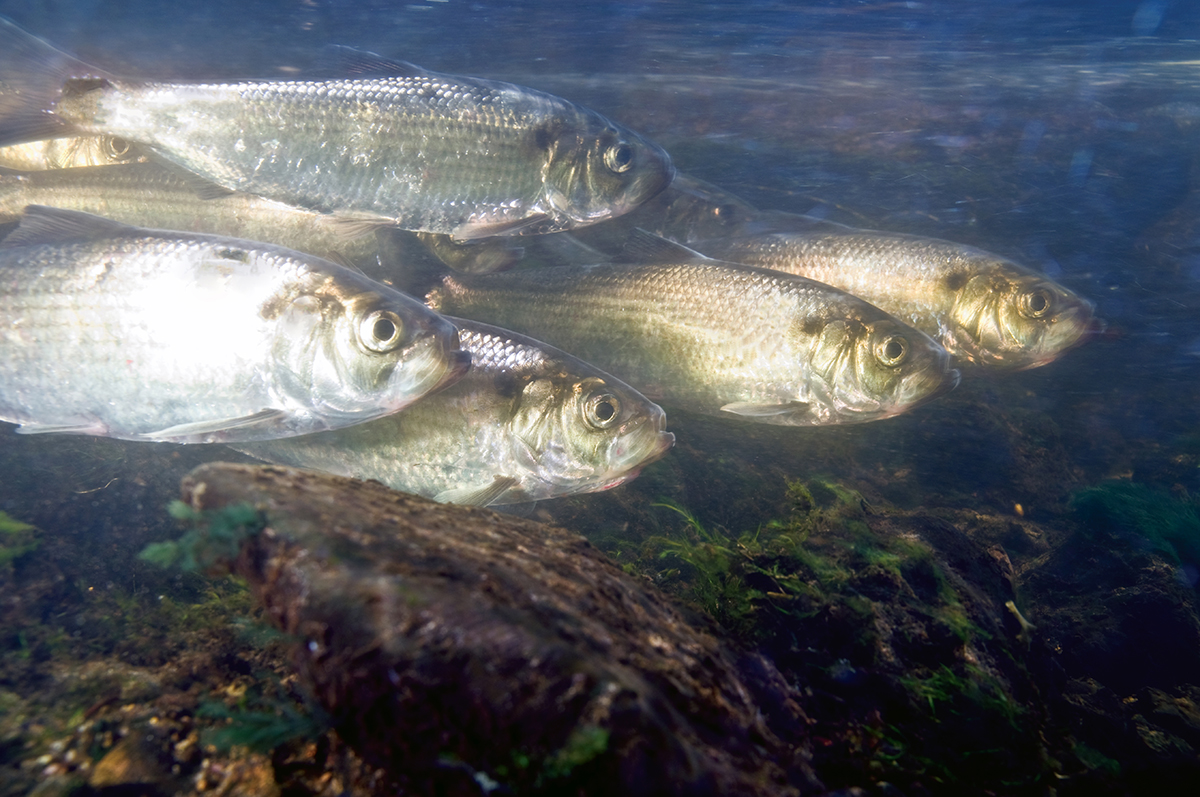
354 355
693 210
876 368
597 170
578 434
1014 318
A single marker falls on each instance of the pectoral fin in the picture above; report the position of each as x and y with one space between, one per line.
478 496
183 431
483 229
92 428
752 410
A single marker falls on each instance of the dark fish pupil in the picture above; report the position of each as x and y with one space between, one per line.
605 411
384 330
619 158
894 350
1039 303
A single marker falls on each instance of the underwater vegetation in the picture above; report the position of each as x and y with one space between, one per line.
16 540
868 610
1145 518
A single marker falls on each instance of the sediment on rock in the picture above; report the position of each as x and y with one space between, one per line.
459 648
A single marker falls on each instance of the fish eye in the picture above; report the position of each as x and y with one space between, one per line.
619 158
892 350
380 331
1036 304
117 147
725 213
601 410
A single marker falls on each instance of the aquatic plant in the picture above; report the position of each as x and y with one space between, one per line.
716 581
16 539
214 536
271 723
1145 517
582 746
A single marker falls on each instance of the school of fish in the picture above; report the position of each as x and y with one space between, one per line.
184 262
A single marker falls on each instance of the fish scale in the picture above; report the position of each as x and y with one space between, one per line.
716 338
514 429
466 158
153 195
982 307
113 330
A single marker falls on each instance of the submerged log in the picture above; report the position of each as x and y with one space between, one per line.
465 651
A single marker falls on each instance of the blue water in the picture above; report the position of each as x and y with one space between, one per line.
1063 135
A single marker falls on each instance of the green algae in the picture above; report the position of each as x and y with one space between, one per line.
213 537
582 746
1144 516
262 723
17 539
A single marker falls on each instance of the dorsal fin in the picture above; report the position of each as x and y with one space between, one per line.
342 61
46 225
646 247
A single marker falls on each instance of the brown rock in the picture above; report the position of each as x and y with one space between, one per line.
456 646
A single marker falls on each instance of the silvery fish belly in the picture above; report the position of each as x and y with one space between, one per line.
151 195
981 307
403 146
527 422
718 338
112 330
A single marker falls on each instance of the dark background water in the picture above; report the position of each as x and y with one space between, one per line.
1060 134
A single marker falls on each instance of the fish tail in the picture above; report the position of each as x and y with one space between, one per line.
34 78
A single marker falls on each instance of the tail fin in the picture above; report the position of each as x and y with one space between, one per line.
32 74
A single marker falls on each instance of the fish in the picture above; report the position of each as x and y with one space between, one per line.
717 338
393 145
983 308
138 334
528 422
689 209
149 194
69 152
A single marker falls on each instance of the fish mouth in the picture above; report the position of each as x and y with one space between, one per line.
1094 328
636 447
663 443
914 391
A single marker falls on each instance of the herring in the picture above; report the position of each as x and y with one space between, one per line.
981 307
397 145
118 331
717 338
527 422
161 197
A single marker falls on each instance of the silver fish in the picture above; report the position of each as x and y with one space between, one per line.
153 195
718 338
688 210
981 307
112 330
527 422
419 150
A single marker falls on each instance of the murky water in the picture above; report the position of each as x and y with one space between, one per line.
1057 135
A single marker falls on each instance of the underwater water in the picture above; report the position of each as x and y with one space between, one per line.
871 562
